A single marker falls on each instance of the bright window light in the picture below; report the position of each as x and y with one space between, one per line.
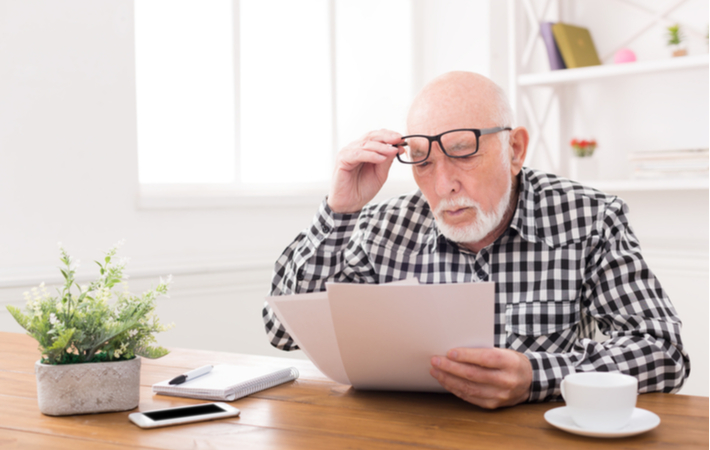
185 91
288 133
286 114
373 69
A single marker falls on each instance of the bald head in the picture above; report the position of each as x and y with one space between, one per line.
458 100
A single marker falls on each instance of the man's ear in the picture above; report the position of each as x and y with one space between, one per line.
519 139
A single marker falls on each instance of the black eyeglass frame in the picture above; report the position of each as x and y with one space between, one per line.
478 132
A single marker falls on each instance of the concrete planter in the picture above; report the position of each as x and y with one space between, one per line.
68 389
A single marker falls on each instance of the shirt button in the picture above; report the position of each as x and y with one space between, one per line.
326 228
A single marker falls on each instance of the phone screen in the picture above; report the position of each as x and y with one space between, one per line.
197 410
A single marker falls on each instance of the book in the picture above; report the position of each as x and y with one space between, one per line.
576 46
228 382
681 163
553 52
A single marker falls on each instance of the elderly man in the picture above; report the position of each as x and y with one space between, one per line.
563 256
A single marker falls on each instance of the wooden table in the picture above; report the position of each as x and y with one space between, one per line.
313 413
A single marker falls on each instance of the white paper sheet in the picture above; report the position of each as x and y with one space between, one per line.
388 334
383 336
307 319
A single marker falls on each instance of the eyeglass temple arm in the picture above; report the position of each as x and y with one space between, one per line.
494 130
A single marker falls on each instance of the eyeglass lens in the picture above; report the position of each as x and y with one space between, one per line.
455 143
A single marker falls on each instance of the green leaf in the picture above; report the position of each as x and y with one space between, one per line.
152 352
64 273
62 340
56 351
22 319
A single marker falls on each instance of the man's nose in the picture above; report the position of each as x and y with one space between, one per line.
446 178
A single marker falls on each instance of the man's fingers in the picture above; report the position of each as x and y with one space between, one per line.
385 136
483 395
368 152
472 372
491 358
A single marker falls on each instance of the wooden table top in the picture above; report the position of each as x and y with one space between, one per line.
313 413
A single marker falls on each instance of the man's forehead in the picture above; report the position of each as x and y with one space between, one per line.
454 100
432 118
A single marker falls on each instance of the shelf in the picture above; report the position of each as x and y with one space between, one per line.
670 184
566 76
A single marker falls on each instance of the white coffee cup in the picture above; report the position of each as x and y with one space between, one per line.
600 400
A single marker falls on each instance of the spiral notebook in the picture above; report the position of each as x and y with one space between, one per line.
228 382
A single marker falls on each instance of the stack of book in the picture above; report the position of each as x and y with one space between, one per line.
669 163
568 46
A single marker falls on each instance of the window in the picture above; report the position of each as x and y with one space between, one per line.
267 103
185 91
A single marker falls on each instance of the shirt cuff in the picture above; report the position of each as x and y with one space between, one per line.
548 371
326 221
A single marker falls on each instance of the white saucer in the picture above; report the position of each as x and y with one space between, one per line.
641 421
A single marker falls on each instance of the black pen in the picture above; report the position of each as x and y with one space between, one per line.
191 375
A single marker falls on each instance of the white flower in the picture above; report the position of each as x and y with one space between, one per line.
133 332
53 319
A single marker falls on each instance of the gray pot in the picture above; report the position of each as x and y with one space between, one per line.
68 389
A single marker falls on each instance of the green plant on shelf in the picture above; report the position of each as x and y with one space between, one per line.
675 35
583 148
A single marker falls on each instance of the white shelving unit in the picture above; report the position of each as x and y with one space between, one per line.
534 92
594 73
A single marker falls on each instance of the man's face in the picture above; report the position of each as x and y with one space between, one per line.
468 196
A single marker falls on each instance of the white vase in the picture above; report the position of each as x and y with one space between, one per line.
583 169
87 388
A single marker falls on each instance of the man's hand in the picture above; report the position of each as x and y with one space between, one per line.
487 377
361 169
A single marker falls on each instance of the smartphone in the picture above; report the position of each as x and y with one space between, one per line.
182 414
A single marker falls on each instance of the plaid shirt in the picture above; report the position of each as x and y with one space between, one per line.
567 263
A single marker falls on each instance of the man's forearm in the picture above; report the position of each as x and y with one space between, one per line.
658 366
312 259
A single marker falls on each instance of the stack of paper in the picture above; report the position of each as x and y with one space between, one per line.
669 163
383 336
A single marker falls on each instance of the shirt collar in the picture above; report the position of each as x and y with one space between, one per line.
524 218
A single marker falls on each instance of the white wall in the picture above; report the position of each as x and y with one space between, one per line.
68 172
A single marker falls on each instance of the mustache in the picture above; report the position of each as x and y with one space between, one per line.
456 203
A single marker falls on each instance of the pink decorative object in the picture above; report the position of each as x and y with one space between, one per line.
624 56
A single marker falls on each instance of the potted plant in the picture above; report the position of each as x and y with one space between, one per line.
91 339
675 38
583 166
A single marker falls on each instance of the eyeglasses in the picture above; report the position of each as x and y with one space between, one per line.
458 143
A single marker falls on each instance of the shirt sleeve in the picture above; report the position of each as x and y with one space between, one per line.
624 298
327 251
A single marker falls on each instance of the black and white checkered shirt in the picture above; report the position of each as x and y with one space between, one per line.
567 264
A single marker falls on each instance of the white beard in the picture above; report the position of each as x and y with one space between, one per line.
484 222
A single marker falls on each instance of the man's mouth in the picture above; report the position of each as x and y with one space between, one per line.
456 212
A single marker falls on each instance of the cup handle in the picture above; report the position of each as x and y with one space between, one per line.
562 390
